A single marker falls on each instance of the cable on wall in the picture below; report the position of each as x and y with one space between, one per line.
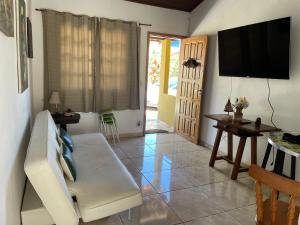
272 116
270 103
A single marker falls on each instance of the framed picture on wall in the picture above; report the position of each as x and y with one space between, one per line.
22 45
7 17
29 39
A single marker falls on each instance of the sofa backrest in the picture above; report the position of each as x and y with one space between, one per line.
43 170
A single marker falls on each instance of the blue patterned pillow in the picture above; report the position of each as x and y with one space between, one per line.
67 139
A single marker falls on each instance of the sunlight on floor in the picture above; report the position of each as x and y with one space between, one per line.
153 123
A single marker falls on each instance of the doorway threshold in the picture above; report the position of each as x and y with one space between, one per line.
156 131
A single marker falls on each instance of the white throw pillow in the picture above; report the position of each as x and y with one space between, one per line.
67 163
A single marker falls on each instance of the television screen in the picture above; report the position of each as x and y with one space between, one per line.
260 50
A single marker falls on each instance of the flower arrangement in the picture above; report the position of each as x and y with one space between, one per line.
241 103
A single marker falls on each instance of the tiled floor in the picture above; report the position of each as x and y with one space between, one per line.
178 186
153 123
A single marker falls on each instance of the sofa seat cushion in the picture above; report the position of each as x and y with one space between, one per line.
103 183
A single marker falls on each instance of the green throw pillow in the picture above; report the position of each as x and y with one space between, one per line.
67 163
67 139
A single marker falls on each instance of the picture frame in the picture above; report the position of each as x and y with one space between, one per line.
29 39
7 17
21 33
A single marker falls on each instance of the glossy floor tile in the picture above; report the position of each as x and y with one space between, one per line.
133 151
218 219
179 187
174 147
151 163
112 220
245 215
169 180
145 186
185 146
230 194
201 175
188 159
132 141
191 203
154 211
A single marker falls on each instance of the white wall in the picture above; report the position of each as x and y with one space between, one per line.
162 20
214 15
15 112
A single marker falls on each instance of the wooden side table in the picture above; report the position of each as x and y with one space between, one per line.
63 120
283 148
245 129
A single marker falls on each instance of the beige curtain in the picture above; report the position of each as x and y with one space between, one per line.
117 80
69 54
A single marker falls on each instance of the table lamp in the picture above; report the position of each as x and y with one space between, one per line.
55 100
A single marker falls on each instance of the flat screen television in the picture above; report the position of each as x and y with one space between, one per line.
259 50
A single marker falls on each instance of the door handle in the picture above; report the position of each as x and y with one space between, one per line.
199 92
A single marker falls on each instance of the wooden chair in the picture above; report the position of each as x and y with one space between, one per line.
273 211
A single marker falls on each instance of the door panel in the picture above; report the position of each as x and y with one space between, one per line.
190 88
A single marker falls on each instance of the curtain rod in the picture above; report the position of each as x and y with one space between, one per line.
140 24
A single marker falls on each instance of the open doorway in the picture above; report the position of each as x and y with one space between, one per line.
162 78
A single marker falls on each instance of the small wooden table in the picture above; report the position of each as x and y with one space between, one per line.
63 120
244 129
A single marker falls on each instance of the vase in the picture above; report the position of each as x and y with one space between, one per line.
238 115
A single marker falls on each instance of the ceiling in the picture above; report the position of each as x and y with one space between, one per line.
183 5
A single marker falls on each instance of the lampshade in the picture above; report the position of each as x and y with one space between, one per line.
55 98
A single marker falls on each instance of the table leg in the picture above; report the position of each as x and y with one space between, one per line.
238 158
293 168
279 161
254 150
215 148
230 147
266 157
280 168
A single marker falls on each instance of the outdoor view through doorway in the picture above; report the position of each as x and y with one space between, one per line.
163 72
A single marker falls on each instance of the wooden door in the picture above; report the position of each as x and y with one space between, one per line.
190 88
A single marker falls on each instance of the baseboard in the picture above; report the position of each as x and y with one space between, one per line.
205 144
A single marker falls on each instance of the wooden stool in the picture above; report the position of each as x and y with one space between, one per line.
282 147
109 123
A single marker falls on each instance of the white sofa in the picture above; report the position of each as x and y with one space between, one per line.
103 187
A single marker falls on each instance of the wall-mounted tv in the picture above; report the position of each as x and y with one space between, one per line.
259 50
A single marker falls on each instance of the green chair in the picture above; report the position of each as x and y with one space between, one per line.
109 125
